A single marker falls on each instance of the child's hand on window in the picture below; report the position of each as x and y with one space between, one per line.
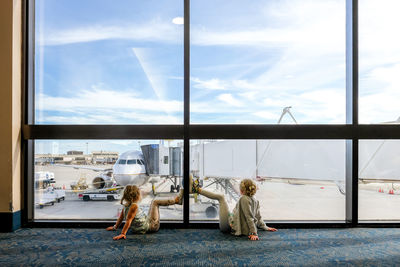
271 229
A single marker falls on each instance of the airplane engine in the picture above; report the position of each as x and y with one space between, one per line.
104 180
211 211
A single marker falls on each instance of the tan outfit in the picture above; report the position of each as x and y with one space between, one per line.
246 216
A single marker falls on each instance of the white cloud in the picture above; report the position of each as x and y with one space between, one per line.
212 84
155 30
230 100
380 97
105 99
265 115
178 20
107 106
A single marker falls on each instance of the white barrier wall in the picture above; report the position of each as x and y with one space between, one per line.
379 159
297 159
302 159
229 159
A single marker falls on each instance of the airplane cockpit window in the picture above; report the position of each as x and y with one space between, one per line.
140 162
131 161
122 161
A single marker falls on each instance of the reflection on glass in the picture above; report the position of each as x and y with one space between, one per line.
379 61
84 179
296 179
379 180
106 62
251 60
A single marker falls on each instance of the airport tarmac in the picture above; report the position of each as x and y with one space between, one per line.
279 201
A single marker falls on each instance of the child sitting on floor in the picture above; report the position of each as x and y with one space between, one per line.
135 218
245 218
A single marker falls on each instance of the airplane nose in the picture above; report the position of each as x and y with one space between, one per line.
123 180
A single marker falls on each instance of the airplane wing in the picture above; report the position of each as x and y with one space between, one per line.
85 167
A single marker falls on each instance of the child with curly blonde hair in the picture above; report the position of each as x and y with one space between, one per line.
245 218
135 218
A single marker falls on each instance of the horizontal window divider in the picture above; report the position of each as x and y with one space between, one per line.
380 131
271 131
207 131
103 132
332 131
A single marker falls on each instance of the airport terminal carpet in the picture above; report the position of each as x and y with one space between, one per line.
201 247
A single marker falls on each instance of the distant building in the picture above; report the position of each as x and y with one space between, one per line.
74 152
104 157
77 158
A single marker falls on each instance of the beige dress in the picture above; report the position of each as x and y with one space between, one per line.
246 217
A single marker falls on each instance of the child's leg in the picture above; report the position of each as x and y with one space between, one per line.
154 212
223 208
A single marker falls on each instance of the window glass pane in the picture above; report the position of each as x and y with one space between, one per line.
296 179
251 59
81 179
109 62
132 161
379 61
379 180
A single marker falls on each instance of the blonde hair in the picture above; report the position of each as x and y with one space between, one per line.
131 195
248 187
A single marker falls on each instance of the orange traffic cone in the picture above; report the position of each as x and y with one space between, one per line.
380 190
391 192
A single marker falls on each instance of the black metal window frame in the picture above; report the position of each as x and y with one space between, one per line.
352 131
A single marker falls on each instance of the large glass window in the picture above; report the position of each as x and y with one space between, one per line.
84 179
379 180
379 65
107 62
250 60
120 68
296 179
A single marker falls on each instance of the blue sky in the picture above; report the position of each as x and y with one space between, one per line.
121 62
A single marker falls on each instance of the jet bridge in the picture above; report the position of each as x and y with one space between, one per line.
164 162
294 160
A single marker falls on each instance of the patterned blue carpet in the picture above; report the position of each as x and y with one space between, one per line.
201 247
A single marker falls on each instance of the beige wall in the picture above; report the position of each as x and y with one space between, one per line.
10 105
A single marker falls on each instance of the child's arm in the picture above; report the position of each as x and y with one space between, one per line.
117 224
131 215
